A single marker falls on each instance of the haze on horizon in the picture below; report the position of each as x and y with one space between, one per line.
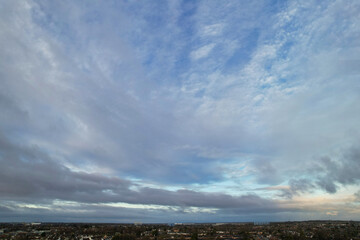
179 111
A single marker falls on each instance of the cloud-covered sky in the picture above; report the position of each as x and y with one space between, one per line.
179 111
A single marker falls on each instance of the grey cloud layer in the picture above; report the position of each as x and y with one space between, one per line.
328 173
28 175
340 171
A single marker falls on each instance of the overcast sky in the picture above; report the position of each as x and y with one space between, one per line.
179 111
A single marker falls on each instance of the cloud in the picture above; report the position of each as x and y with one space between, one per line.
202 51
333 213
178 104
343 171
213 29
357 196
29 175
297 187
327 174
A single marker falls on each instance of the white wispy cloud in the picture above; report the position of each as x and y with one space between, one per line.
202 51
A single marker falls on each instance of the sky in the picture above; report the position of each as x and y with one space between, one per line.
179 111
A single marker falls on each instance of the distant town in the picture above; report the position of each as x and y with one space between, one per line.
337 230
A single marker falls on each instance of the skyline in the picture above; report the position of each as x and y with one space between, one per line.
179 111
